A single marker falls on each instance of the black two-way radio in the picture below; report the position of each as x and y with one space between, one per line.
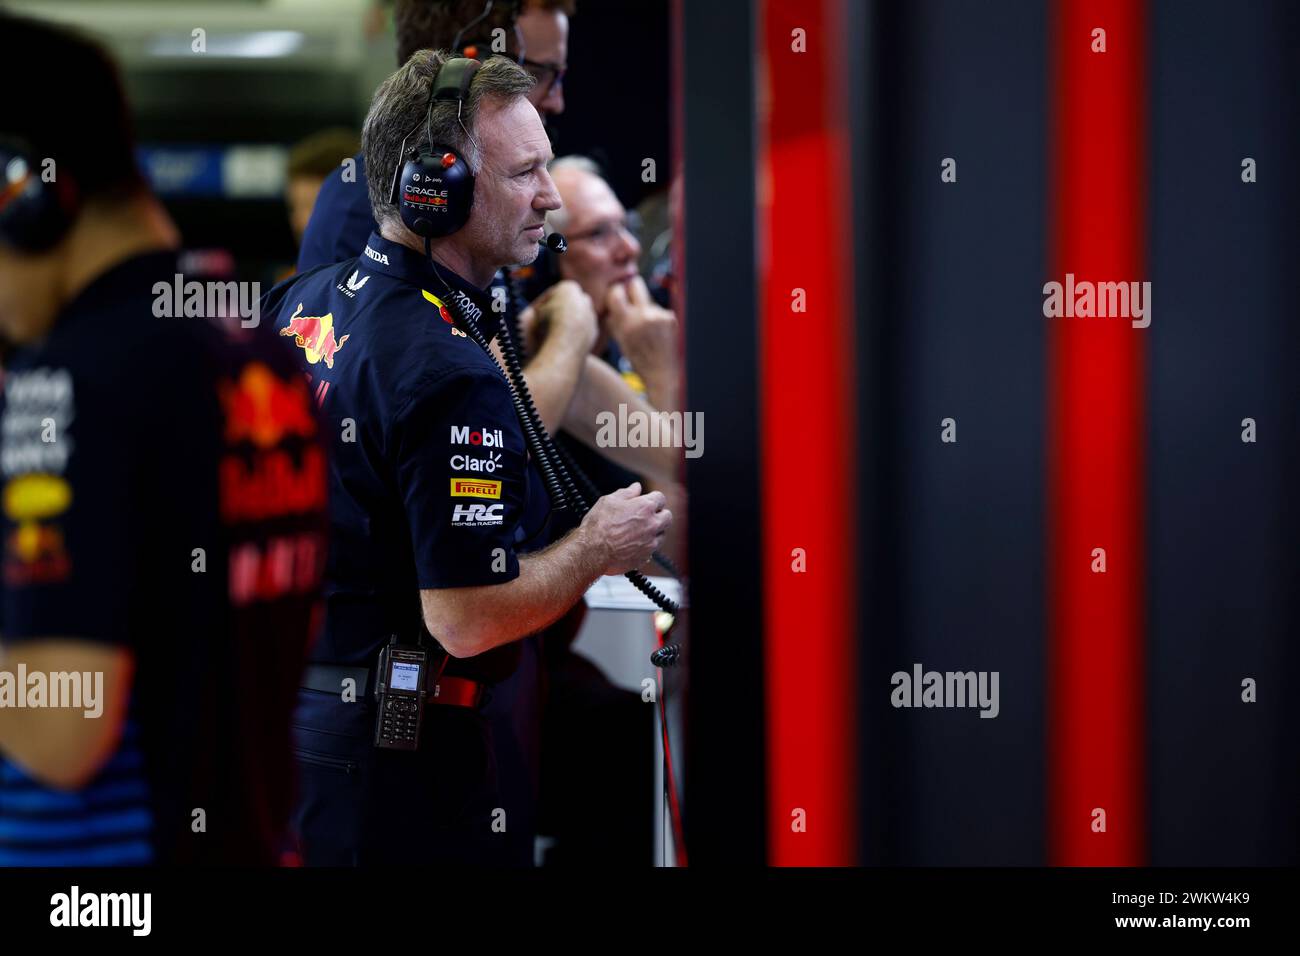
401 691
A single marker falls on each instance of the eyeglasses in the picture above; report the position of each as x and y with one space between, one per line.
550 74
607 232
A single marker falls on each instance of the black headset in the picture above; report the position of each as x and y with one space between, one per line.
433 187
34 214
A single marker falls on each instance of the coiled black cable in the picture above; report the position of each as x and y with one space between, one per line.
591 493
666 656
577 502
559 483
516 333
522 400
515 375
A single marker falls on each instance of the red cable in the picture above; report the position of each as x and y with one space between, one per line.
670 778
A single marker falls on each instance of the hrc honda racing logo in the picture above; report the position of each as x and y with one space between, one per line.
467 516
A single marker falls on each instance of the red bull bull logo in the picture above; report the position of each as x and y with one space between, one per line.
34 551
314 335
262 408
35 554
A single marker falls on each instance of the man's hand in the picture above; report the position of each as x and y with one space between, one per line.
627 526
564 311
647 335
617 535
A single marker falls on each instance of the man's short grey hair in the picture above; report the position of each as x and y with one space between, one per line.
401 104
558 220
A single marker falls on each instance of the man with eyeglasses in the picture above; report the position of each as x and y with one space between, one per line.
604 251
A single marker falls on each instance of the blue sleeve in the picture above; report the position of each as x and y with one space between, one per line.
460 465
340 222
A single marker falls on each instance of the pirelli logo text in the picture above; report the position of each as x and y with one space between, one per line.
475 488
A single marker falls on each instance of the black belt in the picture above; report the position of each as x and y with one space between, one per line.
450 691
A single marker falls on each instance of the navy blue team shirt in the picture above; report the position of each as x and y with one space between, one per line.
144 458
428 471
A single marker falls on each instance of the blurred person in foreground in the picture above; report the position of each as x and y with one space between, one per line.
163 497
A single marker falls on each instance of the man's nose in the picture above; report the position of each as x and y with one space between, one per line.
548 197
629 245
553 103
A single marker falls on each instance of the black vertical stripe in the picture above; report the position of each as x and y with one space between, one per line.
725 779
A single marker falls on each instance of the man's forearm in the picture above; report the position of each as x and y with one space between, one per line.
603 390
64 744
550 582
553 375
661 385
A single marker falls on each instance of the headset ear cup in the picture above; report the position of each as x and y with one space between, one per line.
39 214
434 200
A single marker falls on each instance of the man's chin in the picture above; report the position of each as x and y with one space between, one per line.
526 252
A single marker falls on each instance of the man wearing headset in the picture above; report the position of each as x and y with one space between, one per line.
534 32
428 476
162 535
569 384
